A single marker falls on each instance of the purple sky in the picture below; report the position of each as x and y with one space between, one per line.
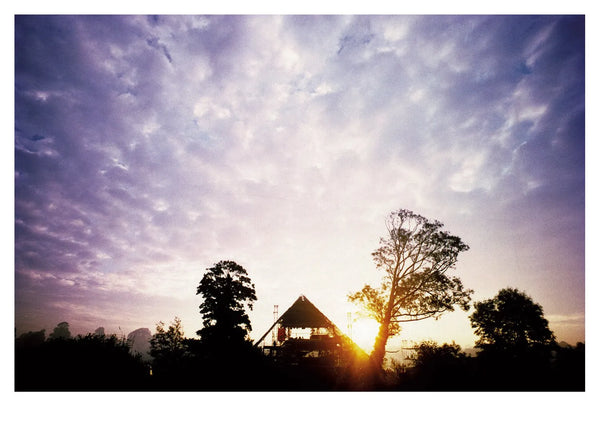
149 148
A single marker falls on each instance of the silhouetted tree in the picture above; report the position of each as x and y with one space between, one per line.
415 257
31 339
430 353
61 331
167 347
227 292
439 367
510 321
515 341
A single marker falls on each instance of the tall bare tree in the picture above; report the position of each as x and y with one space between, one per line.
415 256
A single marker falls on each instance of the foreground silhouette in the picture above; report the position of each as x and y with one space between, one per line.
105 363
525 357
446 368
84 363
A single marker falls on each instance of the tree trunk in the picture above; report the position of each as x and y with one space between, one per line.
378 353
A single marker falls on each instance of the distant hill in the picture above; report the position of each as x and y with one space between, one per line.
139 341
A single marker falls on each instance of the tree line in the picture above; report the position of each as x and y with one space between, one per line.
517 350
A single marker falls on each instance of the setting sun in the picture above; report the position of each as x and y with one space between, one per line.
364 332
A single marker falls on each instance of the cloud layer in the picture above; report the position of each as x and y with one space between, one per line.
149 148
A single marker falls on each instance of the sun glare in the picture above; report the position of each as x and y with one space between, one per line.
363 333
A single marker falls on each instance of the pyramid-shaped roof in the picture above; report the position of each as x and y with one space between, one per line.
303 314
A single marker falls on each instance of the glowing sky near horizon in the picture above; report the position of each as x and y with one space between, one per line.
149 148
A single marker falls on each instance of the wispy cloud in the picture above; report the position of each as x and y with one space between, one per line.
571 319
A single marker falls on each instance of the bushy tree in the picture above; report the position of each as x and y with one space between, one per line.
510 321
227 293
429 353
61 331
415 257
516 345
167 347
438 367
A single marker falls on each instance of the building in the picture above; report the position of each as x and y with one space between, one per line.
304 336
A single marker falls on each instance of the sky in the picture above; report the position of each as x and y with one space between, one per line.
148 148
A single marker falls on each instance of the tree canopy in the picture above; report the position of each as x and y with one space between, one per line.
510 321
227 292
429 353
415 256
168 348
167 341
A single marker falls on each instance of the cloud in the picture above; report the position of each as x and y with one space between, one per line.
148 148
577 319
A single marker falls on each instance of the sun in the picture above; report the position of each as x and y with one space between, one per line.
363 333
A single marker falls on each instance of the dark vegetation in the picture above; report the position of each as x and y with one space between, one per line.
97 362
517 350
83 363
446 368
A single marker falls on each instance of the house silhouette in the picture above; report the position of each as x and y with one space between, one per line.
305 336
